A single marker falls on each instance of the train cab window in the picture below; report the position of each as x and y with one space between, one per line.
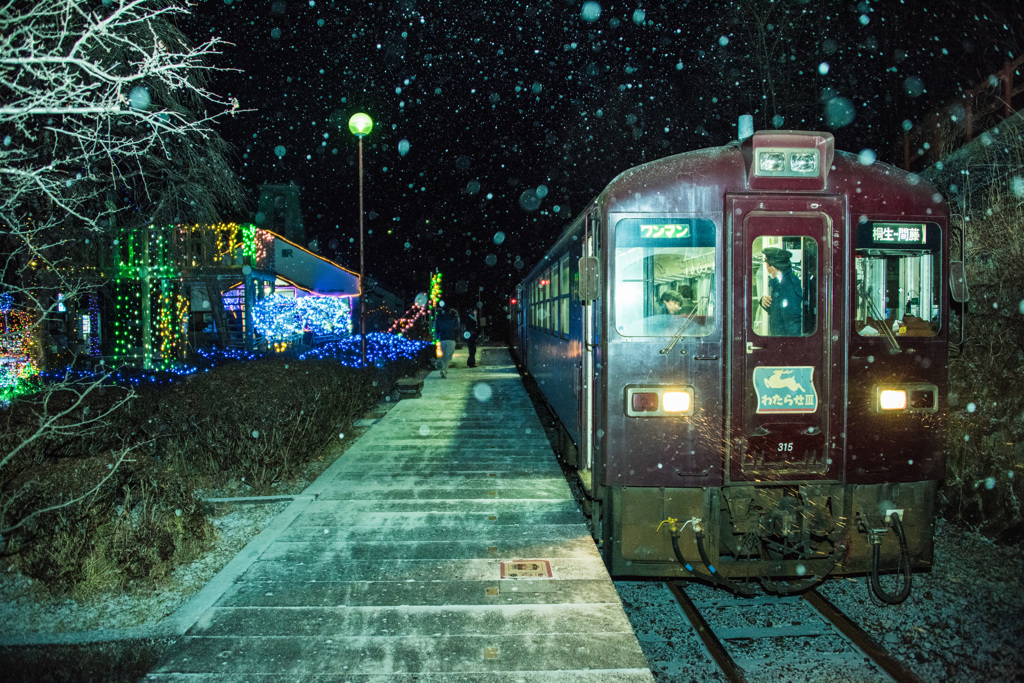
784 279
664 277
897 274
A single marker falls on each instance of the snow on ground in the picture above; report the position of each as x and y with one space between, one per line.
25 609
964 620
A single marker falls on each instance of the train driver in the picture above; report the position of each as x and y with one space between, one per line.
784 294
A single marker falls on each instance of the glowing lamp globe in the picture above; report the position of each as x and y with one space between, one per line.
360 124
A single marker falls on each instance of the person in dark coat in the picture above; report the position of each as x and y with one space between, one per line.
446 328
471 334
784 294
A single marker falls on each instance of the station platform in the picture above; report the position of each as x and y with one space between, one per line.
444 545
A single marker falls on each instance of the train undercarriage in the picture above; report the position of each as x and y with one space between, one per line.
787 537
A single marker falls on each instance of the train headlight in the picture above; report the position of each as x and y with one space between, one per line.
771 162
661 401
677 401
909 398
787 163
892 399
803 162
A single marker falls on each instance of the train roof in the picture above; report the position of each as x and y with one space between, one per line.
697 181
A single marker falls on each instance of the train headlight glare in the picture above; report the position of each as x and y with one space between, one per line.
912 397
676 401
772 161
892 399
803 162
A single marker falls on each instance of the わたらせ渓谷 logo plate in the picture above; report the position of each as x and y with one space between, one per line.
785 389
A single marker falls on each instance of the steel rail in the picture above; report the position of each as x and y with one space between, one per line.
721 656
892 666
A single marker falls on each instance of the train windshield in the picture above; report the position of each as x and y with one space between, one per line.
897 274
664 277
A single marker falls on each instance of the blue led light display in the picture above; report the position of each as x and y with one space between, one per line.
381 349
279 317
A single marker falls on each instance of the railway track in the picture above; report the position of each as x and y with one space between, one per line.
771 638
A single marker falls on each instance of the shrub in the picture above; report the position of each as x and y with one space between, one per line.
259 422
136 527
985 474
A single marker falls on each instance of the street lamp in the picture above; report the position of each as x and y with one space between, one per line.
361 124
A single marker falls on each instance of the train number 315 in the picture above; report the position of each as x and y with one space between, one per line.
786 447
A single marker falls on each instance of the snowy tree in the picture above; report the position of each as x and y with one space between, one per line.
105 119
101 102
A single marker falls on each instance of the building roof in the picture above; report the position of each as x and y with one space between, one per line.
311 271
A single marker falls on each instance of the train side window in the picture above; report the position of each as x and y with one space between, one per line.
563 295
535 304
784 279
664 277
545 303
556 328
896 266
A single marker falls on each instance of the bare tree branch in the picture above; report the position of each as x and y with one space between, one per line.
121 457
106 121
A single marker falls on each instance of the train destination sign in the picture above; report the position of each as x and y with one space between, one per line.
670 230
898 233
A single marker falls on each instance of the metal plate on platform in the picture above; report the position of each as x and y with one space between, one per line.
526 569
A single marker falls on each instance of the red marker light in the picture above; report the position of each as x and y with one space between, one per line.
645 401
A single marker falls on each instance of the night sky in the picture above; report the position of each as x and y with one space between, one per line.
496 121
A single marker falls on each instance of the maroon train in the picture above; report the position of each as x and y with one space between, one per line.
746 350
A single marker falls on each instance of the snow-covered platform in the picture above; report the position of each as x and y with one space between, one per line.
444 545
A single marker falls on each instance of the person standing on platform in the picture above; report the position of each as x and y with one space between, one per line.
446 328
471 334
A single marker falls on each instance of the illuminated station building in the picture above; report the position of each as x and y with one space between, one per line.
256 285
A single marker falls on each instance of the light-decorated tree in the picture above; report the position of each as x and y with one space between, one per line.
106 123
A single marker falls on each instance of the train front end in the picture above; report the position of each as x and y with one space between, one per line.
772 364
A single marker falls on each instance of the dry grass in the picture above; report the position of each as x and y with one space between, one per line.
252 425
985 478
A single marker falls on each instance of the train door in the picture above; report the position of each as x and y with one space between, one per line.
588 362
787 394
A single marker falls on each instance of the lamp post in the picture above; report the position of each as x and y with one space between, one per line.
361 124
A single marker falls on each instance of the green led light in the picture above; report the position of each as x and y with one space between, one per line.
360 124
